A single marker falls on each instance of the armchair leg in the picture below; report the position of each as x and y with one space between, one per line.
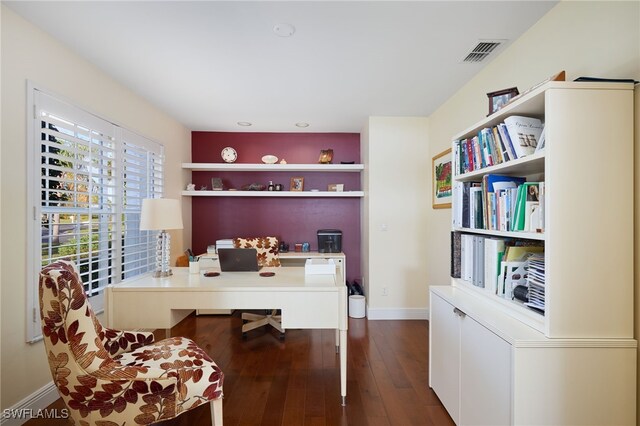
216 412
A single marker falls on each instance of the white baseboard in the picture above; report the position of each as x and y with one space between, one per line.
398 313
39 400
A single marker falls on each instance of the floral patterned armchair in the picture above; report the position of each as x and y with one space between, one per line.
268 255
108 377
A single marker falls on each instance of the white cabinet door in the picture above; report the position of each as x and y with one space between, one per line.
444 354
485 376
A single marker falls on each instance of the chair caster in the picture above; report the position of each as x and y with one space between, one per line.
281 336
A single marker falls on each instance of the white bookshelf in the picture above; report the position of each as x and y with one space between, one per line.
575 363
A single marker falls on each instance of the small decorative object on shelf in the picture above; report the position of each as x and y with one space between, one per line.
203 188
335 187
326 156
297 184
229 155
278 187
191 187
254 187
283 161
216 184
500 98
271 186
269 159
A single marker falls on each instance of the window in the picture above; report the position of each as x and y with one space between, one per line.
88 179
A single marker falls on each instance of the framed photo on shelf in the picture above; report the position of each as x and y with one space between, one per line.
216 184
500 98
441 187
297 184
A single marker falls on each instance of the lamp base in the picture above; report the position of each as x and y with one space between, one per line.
163 247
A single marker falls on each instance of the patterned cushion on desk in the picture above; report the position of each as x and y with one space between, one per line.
267 248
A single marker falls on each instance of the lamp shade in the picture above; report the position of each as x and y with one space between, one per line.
160 214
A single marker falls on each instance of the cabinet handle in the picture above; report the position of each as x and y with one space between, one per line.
459 312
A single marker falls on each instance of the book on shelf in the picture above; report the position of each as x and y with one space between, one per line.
493 250
501 146
541 142
471 258
475 207
487 148
503 184
504 135
524 133
529 213
477 278
466 257
455 254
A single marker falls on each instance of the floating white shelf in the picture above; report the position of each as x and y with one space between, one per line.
245 167
276 194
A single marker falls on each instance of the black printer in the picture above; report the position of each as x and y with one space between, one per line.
329 240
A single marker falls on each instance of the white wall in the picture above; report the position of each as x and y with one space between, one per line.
397 171
28 53
598 39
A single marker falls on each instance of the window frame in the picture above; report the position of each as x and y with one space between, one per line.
131 153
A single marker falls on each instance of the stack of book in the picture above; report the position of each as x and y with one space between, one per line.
221 244
517 137
499 203
535 281
499 264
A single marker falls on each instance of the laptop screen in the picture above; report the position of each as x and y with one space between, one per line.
238 259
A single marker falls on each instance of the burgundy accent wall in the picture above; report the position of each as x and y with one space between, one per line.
293 220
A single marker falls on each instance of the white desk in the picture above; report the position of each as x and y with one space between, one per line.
306 301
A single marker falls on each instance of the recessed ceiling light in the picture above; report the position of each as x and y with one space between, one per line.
244 123
284 30
302 124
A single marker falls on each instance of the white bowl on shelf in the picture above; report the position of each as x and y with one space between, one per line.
269 159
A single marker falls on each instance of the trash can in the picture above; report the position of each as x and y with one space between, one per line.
357 306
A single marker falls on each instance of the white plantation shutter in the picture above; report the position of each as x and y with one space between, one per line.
87 184
142 177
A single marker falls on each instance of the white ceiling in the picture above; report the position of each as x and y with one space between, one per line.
210 64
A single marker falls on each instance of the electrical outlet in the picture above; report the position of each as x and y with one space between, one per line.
385 291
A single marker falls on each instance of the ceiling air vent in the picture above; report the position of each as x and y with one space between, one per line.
482 50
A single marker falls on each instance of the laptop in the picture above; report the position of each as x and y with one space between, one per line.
238 259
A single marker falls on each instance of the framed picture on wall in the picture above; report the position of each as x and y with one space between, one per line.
441 187
297 184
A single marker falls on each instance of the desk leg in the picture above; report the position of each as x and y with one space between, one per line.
343 366
167 333
337 341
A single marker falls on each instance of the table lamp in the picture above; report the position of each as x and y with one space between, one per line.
161 214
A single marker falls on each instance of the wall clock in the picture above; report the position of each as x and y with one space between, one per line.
229 155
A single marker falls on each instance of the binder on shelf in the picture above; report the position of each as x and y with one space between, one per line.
455 254
493 248
466 257
478 261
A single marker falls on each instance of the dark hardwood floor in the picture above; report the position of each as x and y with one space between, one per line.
297 381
